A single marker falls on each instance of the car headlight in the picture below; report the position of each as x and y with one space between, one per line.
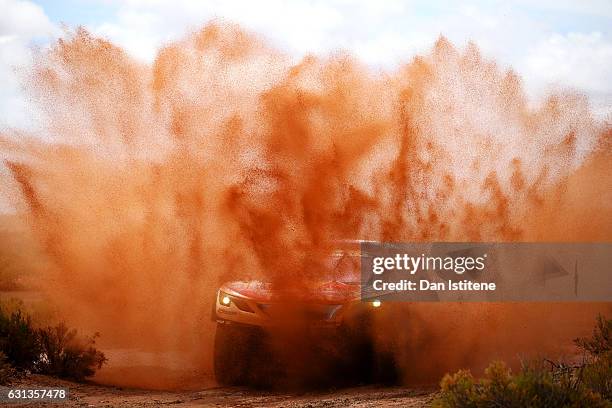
224 299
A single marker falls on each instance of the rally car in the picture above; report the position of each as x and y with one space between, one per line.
329 317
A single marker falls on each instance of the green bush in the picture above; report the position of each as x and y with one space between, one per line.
597 372
601 341
64 355
534 386
537 385
598 375
53 350
18 339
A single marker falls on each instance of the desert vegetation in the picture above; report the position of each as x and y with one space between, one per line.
52 349
542 383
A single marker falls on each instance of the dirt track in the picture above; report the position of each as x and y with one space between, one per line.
87 395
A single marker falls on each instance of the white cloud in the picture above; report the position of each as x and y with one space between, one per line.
23 19
601 8
581 61
21 23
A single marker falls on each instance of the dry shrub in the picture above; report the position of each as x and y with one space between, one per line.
533 386
52 350
597 372
536 384
19 339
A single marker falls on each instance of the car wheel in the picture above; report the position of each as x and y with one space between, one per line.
231 355
385 369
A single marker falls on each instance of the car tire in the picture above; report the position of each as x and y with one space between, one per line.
231 355
384 370
370 363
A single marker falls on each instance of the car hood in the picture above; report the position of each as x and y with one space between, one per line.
329 292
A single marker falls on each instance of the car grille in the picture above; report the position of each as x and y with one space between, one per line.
306 312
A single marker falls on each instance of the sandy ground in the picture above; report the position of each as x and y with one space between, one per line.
92 395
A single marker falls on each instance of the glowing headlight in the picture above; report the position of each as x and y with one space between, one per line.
225 299
376 303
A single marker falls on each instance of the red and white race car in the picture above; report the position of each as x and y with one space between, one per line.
328 317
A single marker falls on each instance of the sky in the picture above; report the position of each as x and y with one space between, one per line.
551 44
